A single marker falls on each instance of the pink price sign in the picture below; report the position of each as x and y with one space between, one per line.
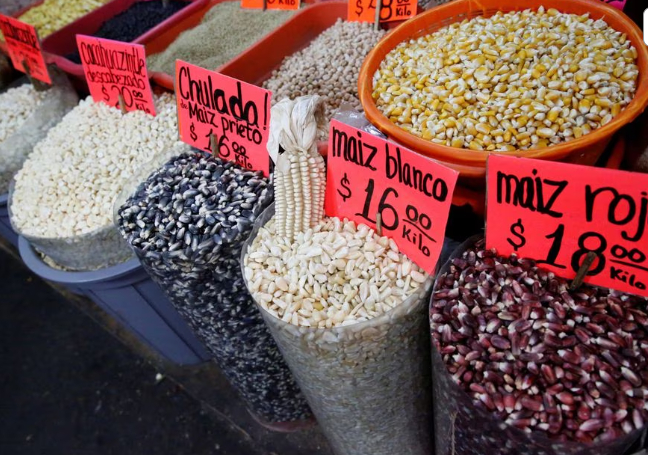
114 69
220 114
24 47
367 176
558 213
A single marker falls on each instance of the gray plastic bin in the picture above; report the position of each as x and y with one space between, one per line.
127 293
6 230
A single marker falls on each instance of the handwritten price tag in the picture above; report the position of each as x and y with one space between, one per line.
557 213
367 175
114 69
24 47
391 10
235 113
271 4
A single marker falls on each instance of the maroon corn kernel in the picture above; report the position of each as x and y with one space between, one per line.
540 357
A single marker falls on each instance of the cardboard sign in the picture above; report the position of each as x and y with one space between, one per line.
391 10
24 47
271 4
367 175
113 68
236 113
557 213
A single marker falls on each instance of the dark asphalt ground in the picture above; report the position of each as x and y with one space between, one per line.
67 387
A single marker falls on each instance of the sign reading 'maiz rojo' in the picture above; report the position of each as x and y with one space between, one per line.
557 214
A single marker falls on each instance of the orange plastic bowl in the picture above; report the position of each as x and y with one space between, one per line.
471 164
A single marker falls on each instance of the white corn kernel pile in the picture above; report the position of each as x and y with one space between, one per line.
335 274
16 105
521 80
328 67
69 183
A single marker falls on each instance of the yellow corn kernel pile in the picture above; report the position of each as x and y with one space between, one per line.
53 15
521 80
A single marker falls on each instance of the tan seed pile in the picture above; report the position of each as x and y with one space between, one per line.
52 15
329 66
521 80
336 274
225 32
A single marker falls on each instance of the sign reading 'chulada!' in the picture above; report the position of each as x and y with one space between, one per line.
222 115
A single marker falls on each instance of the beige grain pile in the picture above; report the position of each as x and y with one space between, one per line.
225 32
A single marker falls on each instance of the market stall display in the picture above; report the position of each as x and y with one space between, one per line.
134 21
524 365
62 201
51 15
225 31
308 315
187 223
328 66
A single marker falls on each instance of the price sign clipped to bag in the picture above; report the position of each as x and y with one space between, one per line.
369 177
391 10
116 73
558 213
223 115
271 4
24 48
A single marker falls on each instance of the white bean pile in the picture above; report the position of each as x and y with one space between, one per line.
349 313
16 105
68 185
329 66
335 274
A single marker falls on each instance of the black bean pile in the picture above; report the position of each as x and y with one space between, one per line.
567 365
138 19
188 223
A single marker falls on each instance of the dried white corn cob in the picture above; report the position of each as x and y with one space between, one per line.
300 180
300 172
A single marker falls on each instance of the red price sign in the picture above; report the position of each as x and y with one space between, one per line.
271 4
391 10
223 112
114 69
367 175
24 47
557 213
